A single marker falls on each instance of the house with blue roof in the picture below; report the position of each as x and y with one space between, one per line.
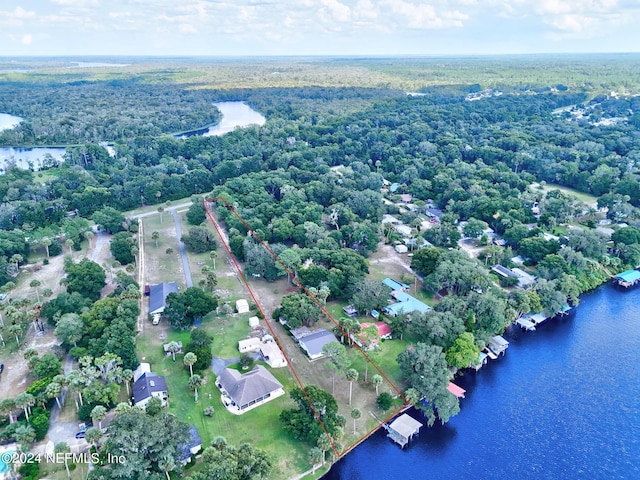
405 303
395 285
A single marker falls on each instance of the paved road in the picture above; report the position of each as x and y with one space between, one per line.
166 209
183 253
101 238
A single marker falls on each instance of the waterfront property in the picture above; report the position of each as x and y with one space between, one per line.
244 392
403 429
628 278
498 345
482 360
456 390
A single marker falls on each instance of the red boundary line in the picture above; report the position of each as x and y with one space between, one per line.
275 336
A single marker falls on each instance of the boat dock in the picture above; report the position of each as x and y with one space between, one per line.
628 279
403 429
526 323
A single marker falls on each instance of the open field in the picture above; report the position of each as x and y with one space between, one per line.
590 200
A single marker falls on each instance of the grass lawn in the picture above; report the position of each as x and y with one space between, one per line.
226 332
160 266
581 196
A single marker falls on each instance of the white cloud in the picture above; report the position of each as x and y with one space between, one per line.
425 16
338 11
26 39
16 17
187 28
76 3
365 9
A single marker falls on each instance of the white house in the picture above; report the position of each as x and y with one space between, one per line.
249 345
244 392
272 355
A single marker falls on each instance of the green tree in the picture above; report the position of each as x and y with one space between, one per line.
425 368
98 414
370 295
145 441
93 435
301 423
339 360
189 360
173 348
298 309
47 365
474 228
35 283
184 307
155 236
384 401
69 328
195 381
377 380
356 413
352 376
86 277
200 344
425 260
199 240
110 220
121 244
463 352
196 213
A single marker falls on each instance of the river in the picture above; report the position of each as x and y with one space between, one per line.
234 115
564 402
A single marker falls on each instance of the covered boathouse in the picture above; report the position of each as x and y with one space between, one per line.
628 278
403 429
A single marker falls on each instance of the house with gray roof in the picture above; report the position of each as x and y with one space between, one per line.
150 385
191 447
313 342
244 392
158 296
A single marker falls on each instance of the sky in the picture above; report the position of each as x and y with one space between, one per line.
316 27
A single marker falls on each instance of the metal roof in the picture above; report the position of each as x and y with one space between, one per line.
317 339
158 295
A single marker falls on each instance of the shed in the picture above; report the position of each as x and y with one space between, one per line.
403 428
350 311
242 306
254 322
158 296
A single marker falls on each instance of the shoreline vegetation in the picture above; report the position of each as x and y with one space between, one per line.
473 179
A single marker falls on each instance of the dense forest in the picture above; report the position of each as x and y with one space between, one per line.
312 180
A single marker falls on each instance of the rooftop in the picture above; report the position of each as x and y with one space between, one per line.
248 387
317 339
147 384
158 295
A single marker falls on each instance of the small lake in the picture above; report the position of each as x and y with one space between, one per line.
8 122
234 115
27 158
564 402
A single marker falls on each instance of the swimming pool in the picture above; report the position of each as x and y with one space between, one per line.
3 466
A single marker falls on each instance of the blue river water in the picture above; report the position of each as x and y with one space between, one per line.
563 403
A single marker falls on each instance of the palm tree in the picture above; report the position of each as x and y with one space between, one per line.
89 236
45 242
315 456
134 252
169 251
127 376
213 255
377 381
173 348
93 435
53 390
194 382
122 407
97 415
324 444
6 408
167 464
189 360
17 259
355 414
47 292
16 331
160 211
69 243
352 376
25 401
63 447
155 236
35 283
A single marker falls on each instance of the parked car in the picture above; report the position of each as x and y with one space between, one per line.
147 290
1 367
81 434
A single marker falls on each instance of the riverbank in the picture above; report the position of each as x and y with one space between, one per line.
561 404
